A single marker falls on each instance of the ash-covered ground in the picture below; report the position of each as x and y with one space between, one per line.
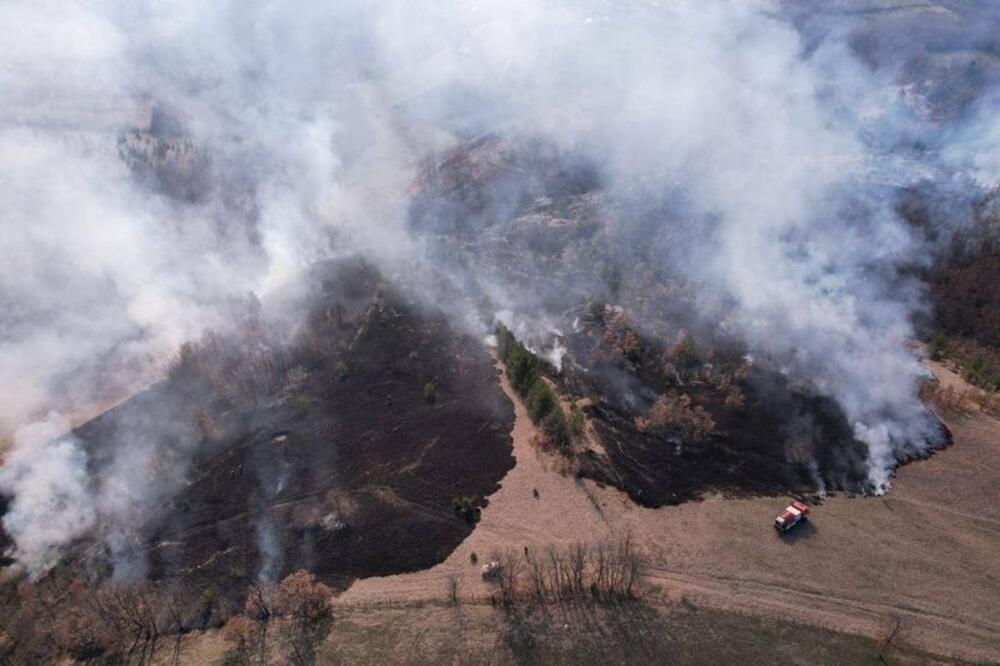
342 451
619 329
360 440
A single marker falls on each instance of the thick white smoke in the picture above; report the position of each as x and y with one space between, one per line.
306 123
52 503
720 101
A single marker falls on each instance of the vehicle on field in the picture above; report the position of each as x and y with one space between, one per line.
793 514
491 571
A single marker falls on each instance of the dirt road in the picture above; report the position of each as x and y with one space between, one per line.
922 563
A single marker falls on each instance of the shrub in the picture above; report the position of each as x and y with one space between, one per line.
981 372
937 347
555 429
735 399
430 392
467 508
604 570
631 347
577 422
240 631
683 356
300 595
674 412
522 365
453 586
540 401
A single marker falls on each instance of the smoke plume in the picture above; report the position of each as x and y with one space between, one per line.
158 162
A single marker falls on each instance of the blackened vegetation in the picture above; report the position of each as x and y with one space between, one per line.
488 180
520 214
290 619
316 449
468 509
751 451
166 163
722 426
6 543
964 283
640 339
965 323
949 64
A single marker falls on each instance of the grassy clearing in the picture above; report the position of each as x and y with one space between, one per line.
586 633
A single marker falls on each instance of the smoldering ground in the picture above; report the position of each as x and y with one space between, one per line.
257 140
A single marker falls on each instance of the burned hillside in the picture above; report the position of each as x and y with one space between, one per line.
962 322
343 451
616 327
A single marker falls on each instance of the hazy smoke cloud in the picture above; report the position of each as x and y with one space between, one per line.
52 503
278 136
974 146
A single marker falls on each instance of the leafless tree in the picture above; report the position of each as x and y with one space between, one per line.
602 571
579 557
537 574
453 585
258 604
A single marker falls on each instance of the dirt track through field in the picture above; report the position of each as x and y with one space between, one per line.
922 562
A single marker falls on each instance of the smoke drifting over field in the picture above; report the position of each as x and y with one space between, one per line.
288 135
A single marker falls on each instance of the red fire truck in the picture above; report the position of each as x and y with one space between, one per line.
793 514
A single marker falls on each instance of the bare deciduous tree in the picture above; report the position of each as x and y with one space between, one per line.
605 570
673 411
453 585
258 604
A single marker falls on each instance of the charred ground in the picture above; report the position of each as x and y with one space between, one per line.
343 452
629 329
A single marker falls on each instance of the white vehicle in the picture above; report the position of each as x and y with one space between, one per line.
491 570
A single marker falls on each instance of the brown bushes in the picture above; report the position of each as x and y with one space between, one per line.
673 411
241 631
735 398
956 403
945 398
301 603
244 366
990 403
84 621
682 359
603 571
300 595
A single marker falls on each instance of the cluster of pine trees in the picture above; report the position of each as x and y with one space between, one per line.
524 371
